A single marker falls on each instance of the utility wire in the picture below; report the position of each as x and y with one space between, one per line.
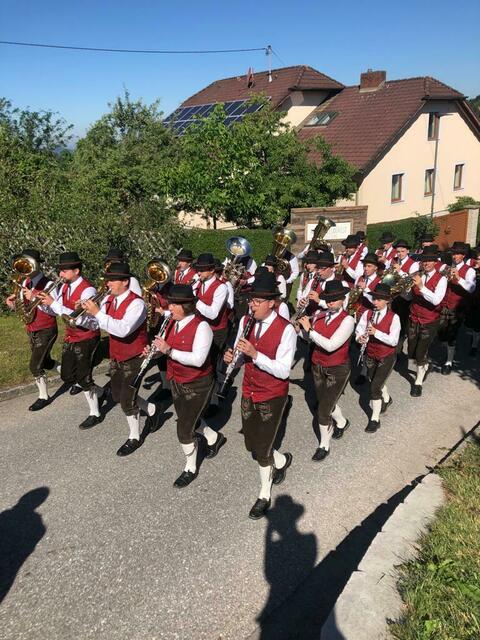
277 56
104 49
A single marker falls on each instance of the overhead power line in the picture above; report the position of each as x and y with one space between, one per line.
108 50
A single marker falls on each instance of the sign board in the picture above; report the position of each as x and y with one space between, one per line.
339 232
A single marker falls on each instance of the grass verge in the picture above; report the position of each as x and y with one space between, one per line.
441 589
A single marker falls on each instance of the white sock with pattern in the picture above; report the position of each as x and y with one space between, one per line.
134 425
41 383
326 431
385 394
190 451
92 400
279 459
421 373
338 416
208 433
146 407
376 408
265 482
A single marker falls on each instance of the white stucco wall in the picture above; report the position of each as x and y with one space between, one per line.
300 104
412 155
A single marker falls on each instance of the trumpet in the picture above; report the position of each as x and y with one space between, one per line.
339 269
71 319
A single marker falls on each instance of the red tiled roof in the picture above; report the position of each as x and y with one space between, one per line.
284 81
368 123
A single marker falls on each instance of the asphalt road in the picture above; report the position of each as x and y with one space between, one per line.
105 547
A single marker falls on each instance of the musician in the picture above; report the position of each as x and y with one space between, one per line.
81 340
426 240
461 285
350 261
243 285
427 294
362 247
268 352
123 314
379 329
184 272
187 344
308 278
472 318
405 266
231 292
367 282
388 251
291 258
326 272
281 307
271 262
330 334
42 331
117 255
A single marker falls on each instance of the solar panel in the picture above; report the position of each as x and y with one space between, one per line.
183 117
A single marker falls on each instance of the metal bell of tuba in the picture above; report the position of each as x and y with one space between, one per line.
283 239
237 247
320 231
158 272
24 266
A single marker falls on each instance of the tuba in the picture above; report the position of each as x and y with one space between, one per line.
24 267
158 272
320 231
233 270
283 239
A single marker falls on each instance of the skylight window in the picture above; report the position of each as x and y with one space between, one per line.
322 119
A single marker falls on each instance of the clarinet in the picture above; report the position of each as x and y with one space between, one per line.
302 308
363 348
151 352
221 393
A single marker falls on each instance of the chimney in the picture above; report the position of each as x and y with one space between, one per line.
372 80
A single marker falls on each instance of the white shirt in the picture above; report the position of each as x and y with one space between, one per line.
385 252
358 271
135 315
341 335
367 292
282 286
219 297
413 267
135 286
436 296
59 309
391 338
283 311
469 282
295 269
231 294
304 290
34 281
200 347
281 365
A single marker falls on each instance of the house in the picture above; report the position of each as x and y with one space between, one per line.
415 142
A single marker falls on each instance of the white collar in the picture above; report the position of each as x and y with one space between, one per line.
269 319
74 285
119 299
205 285
184 321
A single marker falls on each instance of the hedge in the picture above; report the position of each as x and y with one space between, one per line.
213 241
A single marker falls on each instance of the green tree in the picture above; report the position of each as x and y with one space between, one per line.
462 202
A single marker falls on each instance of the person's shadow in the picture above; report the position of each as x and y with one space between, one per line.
21 529
290 556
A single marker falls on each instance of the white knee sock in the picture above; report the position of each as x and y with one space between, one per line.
92 400
338 416
475 339
146 407
421 373
58 366
207 433
376 408
41 383
385 394
279 459
134 425
450 354
265 482
190 451
325 436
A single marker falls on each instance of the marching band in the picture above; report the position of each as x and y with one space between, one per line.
206 319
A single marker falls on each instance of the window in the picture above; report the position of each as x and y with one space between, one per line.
457 179
322 119
433 124
429 182
397 183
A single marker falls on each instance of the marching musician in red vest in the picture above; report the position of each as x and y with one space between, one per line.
42 331
184 272
362 247
388 251
123 316
427 295
367 282
351 260
267 352
82 339
187 344
330 332
117 255
307 279
461 285
326 273
379 329
405 266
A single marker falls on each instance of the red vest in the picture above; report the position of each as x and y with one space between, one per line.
391 253
455 293
365 303
221 321
376 348
407 265
132 345
422 311
183 341
188 276
77 334
259 385
161 296
322 357
352 263
41 320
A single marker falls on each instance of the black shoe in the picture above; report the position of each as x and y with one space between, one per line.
361 379
40 403
211 411
320 454
416 391
259 509
338 433
74 389
473 352
184 479
90 422
152 423
446 369
129 447
213 449
279 474
385 405
372 426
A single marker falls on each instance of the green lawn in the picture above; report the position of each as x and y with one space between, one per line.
441 590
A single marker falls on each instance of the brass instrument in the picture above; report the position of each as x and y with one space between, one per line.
233 270
158 272
320 231
26 267
283 239
398 284
79 312
340 269
353 299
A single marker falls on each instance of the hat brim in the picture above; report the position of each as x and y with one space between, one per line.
117 276
69 265
178 300
325 264
336 295
350 245
204 267
381 296
267 295
428 257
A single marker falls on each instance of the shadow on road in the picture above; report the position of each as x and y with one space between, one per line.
21 529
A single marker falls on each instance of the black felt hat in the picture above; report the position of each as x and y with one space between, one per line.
351 241
69 260
205 262
401 244
361 235
387 236
271 261
33 253
382 291
427 237
371 258
326 259
311 257
185 255
429 254
265 286
180 293
118 271
460 247
114 254
334 290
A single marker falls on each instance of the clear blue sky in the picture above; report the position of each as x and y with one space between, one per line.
342 39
